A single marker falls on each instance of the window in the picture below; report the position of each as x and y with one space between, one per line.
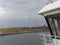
55 25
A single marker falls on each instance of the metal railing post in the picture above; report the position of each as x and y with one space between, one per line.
44 39
56 40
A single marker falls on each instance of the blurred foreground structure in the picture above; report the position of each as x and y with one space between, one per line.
51 13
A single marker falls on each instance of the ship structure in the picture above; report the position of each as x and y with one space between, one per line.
51 13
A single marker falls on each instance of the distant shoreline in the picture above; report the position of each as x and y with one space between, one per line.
18 33
12 31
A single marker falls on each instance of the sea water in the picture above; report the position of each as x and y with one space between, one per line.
22 39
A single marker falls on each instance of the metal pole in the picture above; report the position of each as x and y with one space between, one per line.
44 39
49 1
56 40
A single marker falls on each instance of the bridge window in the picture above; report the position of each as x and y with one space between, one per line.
55 25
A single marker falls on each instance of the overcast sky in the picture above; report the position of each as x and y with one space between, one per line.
21 13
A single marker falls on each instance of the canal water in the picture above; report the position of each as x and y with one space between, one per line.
22 39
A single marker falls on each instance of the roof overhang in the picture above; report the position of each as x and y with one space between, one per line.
50 9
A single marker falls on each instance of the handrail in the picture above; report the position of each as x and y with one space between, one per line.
50 35
50 39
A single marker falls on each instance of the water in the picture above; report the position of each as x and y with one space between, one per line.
21 39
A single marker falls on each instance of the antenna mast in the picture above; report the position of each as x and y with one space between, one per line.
49 1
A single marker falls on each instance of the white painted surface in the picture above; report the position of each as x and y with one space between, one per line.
49 40
52 13
49 7
56 41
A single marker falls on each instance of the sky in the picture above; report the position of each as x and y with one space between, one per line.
21 13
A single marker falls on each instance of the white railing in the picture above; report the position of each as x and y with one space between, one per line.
47 39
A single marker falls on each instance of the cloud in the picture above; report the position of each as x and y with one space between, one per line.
20 11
